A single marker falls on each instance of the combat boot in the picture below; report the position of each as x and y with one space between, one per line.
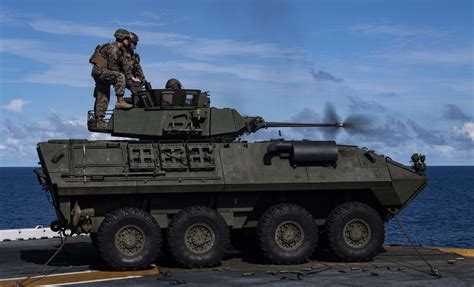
121 104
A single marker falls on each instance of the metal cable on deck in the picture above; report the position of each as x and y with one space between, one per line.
40 268
434 270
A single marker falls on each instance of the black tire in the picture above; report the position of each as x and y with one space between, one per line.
133 227
207 233
355 232
297 223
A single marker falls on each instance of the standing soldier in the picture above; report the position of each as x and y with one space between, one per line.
109 70
133 70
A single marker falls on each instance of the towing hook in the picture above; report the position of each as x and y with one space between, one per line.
55 226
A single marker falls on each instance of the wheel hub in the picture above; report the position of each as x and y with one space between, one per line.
357 233
199 238
130 240
289 235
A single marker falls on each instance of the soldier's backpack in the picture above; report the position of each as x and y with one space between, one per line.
97 58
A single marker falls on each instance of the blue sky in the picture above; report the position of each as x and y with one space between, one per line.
408 65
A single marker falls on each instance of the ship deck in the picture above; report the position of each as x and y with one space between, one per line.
78 264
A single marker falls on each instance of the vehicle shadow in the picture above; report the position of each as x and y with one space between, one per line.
72 254
76 254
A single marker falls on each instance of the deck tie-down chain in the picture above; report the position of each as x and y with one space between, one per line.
300 275
40 268
434 271
166 276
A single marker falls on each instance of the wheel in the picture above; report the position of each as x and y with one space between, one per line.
355 231
287 234
94 239
198 236
129 239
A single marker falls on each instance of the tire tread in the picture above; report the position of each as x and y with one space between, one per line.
175 234
106 249
264 224
333 227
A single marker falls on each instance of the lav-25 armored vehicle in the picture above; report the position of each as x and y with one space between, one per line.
188 177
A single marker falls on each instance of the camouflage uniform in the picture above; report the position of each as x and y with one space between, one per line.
104 77
132 67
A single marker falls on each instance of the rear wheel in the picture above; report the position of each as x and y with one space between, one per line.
355 231
129 239
287 234
198 236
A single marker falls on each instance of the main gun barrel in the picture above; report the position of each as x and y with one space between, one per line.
290 125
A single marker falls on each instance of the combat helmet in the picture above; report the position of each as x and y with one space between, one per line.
122 34
133 37
173 84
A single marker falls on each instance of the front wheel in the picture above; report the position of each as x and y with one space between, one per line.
355 231
129 239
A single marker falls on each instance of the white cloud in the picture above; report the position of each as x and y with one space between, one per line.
207 48
39 51
11 18
63 68
466 130
74 70
63 74
18 144
194 47
451 57
20 45
12 141
151 15
69 28
15 105
444 149
290 74
393 30
418 45
138 23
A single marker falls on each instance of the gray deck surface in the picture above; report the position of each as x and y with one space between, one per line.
398 266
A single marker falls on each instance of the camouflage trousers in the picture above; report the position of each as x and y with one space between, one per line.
103 79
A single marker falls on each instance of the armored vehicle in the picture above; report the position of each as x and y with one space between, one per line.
186 178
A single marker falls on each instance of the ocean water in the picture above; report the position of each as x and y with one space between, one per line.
442 215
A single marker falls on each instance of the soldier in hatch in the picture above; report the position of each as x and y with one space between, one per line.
173 84
109 70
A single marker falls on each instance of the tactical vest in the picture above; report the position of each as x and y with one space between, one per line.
97 58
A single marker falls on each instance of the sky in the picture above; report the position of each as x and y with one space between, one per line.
405 65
